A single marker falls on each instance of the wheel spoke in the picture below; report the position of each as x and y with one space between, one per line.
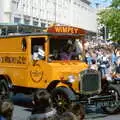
61 103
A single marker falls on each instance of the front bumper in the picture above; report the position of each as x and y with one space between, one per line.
96 99
99 98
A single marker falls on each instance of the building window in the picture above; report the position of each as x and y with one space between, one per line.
17 20
42 25
35 23
27 22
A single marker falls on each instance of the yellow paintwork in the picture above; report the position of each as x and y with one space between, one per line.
23 71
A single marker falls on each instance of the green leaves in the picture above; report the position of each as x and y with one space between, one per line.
110 17
115 4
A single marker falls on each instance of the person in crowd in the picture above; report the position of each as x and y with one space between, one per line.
86 45
118 65
42 107
99 56
104 65
88 58
79 48
93 55
6 109
118 53
116 73
94 65
113 58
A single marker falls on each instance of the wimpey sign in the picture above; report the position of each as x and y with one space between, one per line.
66 29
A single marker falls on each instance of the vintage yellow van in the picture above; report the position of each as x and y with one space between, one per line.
36 61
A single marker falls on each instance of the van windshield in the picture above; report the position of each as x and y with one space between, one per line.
65 49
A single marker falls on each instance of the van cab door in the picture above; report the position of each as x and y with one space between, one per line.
38 61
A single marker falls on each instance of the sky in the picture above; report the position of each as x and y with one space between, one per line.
103 3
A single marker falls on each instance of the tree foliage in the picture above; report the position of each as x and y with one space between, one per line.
110 17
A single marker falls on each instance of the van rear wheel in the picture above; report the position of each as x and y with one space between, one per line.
4 89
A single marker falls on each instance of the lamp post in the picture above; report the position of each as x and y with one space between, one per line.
55 10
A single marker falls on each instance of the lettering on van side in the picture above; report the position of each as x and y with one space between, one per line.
15 60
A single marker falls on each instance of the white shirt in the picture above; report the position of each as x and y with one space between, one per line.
39 55
41 52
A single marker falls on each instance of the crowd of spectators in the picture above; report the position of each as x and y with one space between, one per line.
105 59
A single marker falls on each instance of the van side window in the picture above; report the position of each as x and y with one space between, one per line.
24 44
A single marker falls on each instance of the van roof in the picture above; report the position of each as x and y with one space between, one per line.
40 34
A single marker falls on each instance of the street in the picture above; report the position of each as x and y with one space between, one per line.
22 113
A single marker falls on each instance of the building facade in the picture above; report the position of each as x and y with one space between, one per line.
42 13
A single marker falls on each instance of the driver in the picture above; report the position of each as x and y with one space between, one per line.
38 52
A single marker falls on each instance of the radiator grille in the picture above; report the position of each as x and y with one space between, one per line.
90 83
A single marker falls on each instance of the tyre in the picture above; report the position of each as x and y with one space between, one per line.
62 98
113 106
4 89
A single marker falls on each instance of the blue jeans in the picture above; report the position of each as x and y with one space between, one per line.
89 60
103 71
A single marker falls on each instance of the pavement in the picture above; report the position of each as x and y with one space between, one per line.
21 113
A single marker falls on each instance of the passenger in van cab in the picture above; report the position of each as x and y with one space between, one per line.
38 52
68 52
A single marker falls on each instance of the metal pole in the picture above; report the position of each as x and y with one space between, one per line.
6 30
105 33
17 29
0 31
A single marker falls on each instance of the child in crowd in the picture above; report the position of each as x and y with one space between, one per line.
88 58
118 65
94 65
6 110
42 108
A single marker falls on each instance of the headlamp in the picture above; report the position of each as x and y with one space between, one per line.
71 78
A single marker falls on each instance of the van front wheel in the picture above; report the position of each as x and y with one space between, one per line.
62 99
4 89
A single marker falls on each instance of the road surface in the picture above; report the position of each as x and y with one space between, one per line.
22 113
